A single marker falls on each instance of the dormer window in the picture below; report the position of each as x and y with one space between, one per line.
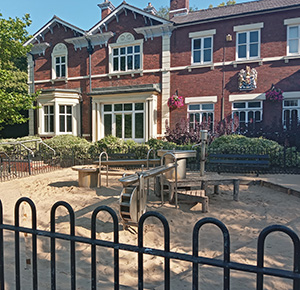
59 61
126 54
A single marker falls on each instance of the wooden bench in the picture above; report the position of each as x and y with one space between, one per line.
238 162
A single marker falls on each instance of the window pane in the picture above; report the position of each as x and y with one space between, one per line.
119 126
253 50
123 64
115 51
137 49
46 125
207 42
293 46
242 38
139 125
129 62
58 71
69 109
194 107
69 123
242 51
197 118
128 126
57 60
118 107
207 106
122 50
239 105
257 116
254 104
62 109
46 109
129 49
253 36
207 55
116 64
242 116
107 124
137 63
290 103
51 109
62 123
51 123
139 106
107 108
197 43
197 56
293 32
250 116
192 118
127 107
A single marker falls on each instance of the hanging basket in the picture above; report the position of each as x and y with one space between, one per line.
175 102
274 94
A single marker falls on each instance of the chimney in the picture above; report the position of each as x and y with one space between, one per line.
106 8
179 7
150 9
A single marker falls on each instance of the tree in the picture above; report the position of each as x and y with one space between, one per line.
14 97
163 11
229 2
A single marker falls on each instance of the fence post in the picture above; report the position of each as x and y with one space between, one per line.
29 164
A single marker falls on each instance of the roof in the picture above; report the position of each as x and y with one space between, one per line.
261 6
49 26
124 7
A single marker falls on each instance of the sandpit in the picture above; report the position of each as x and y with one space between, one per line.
257 208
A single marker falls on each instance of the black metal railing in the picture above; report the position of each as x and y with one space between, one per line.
259 269
24 158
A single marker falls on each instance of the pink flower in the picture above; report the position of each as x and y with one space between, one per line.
175 102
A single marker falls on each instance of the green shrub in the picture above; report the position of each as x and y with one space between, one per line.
114 145
239 144
69 146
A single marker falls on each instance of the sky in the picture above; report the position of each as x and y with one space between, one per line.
83 14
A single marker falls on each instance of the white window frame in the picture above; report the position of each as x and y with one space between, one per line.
248 29
60 50
247 110
48 116
292 22
57 99
202 35
288 40
66 115
290 108
125 40
201 111
124 112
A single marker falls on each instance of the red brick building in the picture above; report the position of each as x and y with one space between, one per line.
117 77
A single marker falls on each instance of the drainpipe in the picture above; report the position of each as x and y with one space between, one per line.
90 51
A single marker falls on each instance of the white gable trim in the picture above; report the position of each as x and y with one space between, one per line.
49 27
292 21
247 27
120 9
203 33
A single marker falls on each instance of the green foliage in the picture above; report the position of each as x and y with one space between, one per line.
163 11
69 146
232 144
233 2
14 97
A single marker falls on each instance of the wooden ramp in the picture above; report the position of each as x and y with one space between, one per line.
194 196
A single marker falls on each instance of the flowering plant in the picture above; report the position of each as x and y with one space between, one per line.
175 102
274 94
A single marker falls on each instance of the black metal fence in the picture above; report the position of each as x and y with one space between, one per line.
259 269
18 160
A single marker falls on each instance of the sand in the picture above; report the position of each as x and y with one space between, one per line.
257 208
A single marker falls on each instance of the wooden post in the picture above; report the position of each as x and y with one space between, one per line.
236 189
